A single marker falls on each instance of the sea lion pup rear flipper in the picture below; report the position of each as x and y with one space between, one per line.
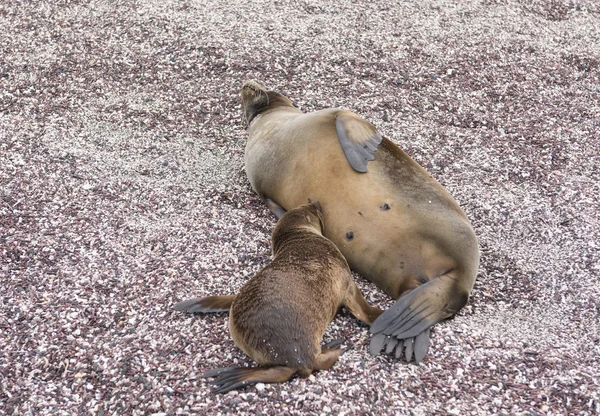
357 305
414 313
231 378
359 139
275 208
207 304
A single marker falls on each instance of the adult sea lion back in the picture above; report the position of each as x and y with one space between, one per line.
394 223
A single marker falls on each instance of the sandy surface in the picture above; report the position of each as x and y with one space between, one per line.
122 191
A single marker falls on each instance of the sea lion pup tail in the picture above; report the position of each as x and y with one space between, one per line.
231 378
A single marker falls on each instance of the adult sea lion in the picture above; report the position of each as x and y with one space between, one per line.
280 315
394 223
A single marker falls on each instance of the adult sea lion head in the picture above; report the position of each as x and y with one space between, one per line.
257 99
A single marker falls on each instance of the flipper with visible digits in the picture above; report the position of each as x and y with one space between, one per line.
417 346
359 139
410 318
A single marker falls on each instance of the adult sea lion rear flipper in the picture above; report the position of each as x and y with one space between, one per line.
359 139
412 315
207 304
232 378
275 208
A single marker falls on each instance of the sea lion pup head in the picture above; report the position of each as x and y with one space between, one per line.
307 218
257 99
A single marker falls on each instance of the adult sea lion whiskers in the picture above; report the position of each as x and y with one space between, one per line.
280 315
394 223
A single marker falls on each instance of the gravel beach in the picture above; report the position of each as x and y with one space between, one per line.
123 191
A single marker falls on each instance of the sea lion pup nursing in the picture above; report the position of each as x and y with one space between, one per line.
394 223
280 315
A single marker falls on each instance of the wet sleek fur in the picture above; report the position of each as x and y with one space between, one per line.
394 223
279 317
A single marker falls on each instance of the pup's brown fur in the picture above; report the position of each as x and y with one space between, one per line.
279 317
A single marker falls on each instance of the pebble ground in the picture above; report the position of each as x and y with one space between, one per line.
122 191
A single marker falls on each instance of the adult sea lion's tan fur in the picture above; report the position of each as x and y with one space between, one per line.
393 222
280 315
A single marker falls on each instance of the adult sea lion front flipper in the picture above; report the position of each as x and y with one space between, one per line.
275 208
208 304
359 139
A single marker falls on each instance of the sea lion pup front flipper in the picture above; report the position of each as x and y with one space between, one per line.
208 304
359 139
410 318
357 305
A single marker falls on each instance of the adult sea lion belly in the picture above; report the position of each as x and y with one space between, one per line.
393 223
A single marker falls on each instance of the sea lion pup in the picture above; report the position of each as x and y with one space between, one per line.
394 223
279 317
